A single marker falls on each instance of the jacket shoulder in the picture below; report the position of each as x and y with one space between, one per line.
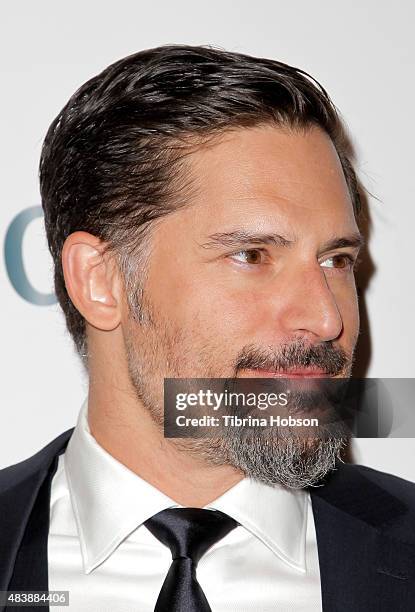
377 498
13 474
398 487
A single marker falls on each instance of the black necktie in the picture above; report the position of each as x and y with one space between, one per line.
189 533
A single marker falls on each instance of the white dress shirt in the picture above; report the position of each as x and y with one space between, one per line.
100 551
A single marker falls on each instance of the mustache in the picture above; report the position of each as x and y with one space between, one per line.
326 356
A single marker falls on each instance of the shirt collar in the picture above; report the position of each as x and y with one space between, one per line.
110 501
277 516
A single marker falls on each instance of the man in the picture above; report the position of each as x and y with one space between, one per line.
202 213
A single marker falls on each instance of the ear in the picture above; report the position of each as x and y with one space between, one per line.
92 280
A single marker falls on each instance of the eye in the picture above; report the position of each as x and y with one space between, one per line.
249 256
339 262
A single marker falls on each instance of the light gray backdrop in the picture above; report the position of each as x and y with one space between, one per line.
362 52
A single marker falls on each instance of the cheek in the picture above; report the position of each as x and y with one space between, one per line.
212 307
233 315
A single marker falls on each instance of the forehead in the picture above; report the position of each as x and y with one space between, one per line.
264 175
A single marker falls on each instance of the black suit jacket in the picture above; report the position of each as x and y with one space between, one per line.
365 525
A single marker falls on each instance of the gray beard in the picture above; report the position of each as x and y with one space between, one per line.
292 462
273 458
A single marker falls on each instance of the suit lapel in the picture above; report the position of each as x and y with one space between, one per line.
24 518
364 563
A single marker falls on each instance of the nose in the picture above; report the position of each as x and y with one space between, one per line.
309 308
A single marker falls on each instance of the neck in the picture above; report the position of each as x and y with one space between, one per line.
126 430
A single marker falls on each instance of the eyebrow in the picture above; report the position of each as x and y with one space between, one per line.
238 238
355 241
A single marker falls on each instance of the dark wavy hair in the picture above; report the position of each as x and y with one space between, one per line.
113 160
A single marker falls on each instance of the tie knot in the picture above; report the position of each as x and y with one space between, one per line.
190 532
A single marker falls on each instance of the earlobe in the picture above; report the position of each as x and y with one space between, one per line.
91 280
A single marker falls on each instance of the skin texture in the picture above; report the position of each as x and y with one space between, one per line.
206 304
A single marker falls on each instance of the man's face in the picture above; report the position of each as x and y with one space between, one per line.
251 278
